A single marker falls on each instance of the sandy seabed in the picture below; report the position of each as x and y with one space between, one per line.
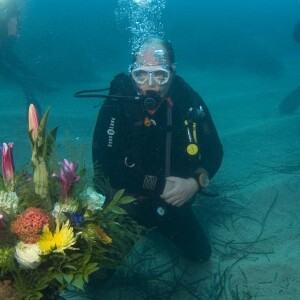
253 220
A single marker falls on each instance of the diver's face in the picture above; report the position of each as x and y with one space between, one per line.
151 71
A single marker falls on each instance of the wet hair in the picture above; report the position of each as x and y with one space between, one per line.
165 44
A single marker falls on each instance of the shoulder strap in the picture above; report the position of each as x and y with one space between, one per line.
168 139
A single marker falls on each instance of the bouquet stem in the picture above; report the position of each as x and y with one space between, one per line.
41 177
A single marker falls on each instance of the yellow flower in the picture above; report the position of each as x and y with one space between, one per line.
63 238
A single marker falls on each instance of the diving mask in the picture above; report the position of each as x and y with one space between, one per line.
159 74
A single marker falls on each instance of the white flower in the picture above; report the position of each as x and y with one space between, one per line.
93 199
64 207
28 255
8 202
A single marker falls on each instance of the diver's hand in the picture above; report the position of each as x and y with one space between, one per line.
182 190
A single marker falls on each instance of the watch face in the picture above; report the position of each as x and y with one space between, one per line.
203 180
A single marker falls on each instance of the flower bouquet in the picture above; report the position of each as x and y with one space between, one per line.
55 229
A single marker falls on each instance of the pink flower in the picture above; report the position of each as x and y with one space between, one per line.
7 165
33 122
67 178
2 222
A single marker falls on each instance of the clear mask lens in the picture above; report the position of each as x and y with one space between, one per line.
141 75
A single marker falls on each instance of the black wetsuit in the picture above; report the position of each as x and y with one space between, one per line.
133 156
10 64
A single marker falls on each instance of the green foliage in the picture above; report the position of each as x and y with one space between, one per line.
7 263
59 271
30 284
26 193
101 183
101 240
50 144
116 201
45 142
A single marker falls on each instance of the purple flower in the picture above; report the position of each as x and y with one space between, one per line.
67 178
8 165
76 218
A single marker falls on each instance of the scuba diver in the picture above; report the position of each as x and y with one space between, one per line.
292 101
155 138
11 65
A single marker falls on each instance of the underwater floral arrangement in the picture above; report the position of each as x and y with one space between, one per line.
55 229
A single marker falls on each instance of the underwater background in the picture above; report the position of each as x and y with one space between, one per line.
63 40
240 56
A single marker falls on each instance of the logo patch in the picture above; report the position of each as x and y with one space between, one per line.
111 132
149 182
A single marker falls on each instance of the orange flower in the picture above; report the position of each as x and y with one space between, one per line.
103 235
33 122
29 224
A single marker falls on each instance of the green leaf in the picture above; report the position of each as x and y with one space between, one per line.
78 282
50 143
117 196
70 267
86 278
39 295
91 268
127 199
42 125
60 278
119 211
75 256
39 144
34 296
68 277
115 200
30 137
86 259
94 266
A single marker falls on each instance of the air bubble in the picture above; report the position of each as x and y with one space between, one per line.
143 19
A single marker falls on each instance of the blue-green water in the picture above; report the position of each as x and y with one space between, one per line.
241 57
62 40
